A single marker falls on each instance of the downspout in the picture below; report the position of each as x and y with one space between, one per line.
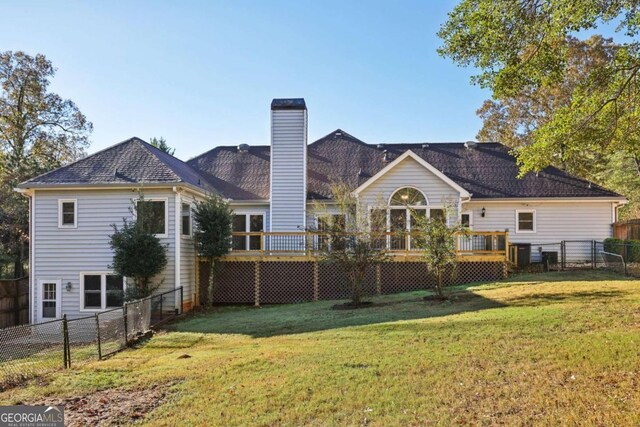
177 233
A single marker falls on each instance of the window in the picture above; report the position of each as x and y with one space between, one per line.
525 221
437 214
247 223
333 223
466 219
100 291
186 219
408 197
50 299
153 214
67 213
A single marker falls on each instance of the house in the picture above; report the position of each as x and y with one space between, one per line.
272 190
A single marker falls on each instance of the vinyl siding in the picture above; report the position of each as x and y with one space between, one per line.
188 253
555 221
409 173
288 169
62 254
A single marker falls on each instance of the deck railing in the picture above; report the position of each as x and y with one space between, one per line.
310 244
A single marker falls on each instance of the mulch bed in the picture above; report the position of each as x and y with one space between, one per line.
109 407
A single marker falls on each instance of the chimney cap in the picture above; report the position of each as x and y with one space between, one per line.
288 104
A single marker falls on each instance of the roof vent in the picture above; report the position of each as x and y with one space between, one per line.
471 144
360 172
338 134
243 148
425 145
386 156
380 146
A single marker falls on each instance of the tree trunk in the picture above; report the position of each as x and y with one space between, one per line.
211 287
439 283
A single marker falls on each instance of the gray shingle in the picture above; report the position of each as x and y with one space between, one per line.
131 161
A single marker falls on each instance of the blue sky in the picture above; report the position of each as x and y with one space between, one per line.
203 74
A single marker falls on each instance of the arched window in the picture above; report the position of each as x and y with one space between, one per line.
408 196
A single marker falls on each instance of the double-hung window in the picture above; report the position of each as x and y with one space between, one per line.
67 213
525 221
154 216
186 219
100 291
247 223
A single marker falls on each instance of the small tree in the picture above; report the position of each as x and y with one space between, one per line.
213 218
161 144
137 253
355 242
437 241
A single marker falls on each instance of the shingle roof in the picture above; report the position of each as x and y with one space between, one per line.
131 161
486 171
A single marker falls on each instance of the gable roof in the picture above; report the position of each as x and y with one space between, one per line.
423 163
133 161
487 171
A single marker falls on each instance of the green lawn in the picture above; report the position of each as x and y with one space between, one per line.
557 349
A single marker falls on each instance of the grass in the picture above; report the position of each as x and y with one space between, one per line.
559 348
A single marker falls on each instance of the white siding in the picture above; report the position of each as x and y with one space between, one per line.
63 254
188 253
288 169
555 221
409 173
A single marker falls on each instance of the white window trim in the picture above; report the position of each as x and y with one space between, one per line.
247 225
58 284
75 213
103 290
470 213
166 213
518 212
190 235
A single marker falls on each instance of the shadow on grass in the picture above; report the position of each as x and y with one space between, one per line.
557 297
301 318
312 317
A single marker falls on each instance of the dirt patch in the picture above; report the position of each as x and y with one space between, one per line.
110 407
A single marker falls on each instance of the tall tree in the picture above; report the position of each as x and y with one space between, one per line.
39 131
521 49
161 144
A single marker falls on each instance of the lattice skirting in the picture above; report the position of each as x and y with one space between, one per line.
281 282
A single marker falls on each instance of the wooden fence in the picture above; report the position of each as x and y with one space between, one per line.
14 302
627 230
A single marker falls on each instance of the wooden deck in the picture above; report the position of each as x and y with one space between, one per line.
304 246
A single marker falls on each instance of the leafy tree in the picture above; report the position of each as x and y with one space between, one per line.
161 144
39 131
437 241
213 219
524 48
137 253
356 243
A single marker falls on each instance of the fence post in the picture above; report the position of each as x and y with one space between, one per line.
593 254
98 337
65 342
378 279
126 324
563 252
181 299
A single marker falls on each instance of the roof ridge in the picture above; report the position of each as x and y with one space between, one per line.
144 144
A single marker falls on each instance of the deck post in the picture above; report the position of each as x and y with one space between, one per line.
257 283
316 281
378 279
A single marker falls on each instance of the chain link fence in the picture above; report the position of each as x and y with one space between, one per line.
612 254
28 351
